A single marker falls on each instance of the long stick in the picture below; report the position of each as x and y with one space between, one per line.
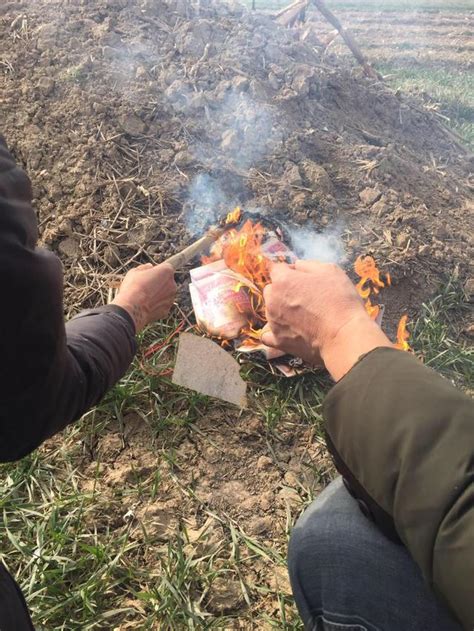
198 247
348 38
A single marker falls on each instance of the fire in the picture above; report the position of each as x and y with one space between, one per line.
370 280
234 216
370 283
241 251
245 252
403 335
372 310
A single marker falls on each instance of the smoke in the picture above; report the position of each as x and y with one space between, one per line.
241 134
207 202
325 247
250 131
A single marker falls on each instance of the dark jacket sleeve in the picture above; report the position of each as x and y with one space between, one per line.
50 374
403 438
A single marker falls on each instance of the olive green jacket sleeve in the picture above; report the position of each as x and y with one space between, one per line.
403 438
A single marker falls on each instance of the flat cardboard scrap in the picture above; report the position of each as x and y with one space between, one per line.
203 366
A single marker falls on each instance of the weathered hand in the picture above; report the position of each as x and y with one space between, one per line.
314 312
147 293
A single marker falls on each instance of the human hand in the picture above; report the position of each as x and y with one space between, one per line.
314 312
147 293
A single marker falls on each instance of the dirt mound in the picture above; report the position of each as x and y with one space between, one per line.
138 120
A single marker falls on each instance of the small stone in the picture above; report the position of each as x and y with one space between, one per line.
46 85
264 463
230 140
240 84
70 248
132 124
402 239
369 196
225 595
424 249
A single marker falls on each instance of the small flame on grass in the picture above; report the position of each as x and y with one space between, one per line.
370 283
402 335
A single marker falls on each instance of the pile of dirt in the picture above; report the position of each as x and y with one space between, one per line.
137 120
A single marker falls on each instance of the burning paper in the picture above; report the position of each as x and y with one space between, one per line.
227 291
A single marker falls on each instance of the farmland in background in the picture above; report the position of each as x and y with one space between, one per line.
425 47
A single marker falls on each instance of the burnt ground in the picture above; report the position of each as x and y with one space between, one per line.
136 121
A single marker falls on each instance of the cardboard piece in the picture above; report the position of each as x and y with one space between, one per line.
203 366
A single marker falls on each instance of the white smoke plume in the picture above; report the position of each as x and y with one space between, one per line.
326 246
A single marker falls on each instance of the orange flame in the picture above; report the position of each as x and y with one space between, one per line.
241 250
369 273
234 216
370 283
372 310
402 335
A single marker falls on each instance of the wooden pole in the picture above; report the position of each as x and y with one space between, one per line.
348 38
198 247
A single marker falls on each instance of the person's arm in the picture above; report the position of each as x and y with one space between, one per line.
402 436
51 374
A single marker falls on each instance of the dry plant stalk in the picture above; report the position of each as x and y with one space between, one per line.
348 38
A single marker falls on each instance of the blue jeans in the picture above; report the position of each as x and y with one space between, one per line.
347 576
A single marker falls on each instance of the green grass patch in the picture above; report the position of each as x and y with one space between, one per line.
435 336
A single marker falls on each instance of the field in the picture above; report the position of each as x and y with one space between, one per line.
426 48
162 509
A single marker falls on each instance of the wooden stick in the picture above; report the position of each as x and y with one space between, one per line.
294 13
198 247
289 8
348 38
